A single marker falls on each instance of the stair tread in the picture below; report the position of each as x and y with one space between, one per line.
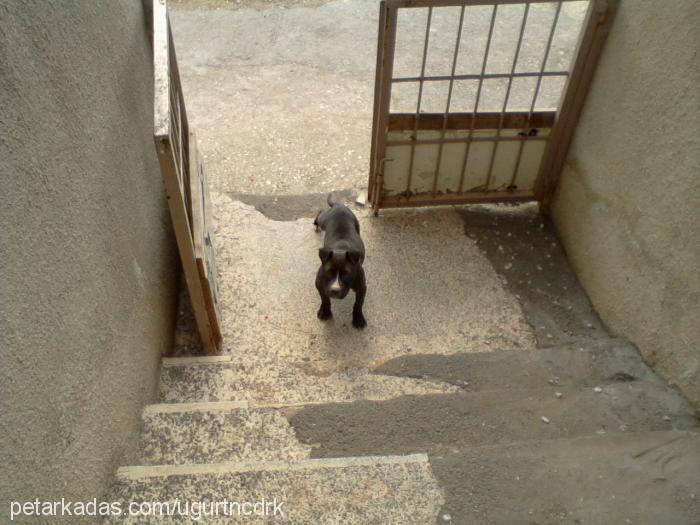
579 363
444 422
222 381
645 477
216 432
399 489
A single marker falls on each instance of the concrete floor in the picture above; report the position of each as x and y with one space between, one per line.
281 91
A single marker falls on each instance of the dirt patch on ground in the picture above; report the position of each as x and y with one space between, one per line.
524 250
293 207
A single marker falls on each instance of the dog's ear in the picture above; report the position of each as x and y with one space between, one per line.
354 257
325 254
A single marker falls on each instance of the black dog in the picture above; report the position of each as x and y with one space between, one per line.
342 256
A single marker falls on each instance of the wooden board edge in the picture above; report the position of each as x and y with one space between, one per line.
451 199
183 239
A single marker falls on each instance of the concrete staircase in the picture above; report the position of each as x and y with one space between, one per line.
570 434
204 444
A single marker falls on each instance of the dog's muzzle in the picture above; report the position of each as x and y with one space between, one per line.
336 289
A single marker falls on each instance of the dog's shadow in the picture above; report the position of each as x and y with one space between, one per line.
337 339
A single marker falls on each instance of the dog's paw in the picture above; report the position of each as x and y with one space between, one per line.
324 314
358 321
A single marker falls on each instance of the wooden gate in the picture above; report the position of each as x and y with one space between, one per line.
482 109
185 183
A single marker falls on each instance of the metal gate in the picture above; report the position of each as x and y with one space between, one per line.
185 183
477 100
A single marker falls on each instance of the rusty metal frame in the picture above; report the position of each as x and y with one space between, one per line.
562 123
177 158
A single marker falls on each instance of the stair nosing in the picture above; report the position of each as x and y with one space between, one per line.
138 472
196 360
203 406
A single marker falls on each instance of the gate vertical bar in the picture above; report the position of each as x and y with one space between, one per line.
494 13
420 96
449 99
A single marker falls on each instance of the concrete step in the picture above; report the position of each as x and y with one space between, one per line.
215 433
589 362
641 478
439 423
219 378
388 490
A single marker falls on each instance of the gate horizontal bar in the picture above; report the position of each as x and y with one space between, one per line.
428 199
458 3
463 121
463 140
486 76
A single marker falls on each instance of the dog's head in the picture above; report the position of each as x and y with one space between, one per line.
338 270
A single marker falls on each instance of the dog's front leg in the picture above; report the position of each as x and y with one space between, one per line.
324 313
358 318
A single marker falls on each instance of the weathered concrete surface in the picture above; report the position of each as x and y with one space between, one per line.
523 248
441 424
88 267
281 98
644 478
542 468
273 380
583 363
628 205
391 490
207 433
430 291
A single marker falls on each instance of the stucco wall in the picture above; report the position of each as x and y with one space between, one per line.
628 203
87 263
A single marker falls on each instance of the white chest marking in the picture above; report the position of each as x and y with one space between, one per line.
335 285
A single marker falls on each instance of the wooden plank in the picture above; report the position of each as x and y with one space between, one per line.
599 19
172 146
161 75
459 3
377 98
203 239
181 228
463 121
197 198
442 199
389 42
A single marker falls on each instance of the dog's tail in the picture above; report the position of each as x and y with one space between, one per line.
329 200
